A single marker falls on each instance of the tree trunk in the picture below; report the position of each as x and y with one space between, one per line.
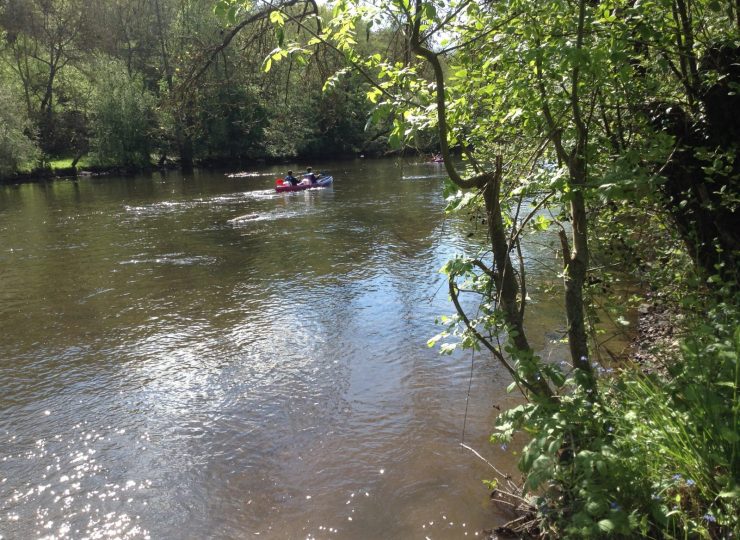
576 267
506 283
183 140
699 194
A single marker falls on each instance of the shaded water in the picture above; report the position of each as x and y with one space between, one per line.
168 371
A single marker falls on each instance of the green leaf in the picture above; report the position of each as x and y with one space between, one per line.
277 18
733 494
541 223
220 9
491 484
231 14
430 10
373 95
594 508
433 341
606 525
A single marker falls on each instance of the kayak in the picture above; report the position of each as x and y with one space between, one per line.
281 186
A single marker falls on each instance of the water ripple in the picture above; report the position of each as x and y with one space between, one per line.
197 361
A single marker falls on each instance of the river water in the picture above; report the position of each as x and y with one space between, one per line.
167 371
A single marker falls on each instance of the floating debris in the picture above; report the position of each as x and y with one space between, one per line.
245 217
245 174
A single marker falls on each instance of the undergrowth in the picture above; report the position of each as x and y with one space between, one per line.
652 456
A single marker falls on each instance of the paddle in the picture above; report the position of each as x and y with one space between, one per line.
279 182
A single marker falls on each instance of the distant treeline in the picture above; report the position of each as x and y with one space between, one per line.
141 83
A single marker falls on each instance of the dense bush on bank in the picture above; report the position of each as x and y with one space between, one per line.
652 455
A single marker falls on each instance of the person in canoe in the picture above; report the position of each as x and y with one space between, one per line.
292 180
310 175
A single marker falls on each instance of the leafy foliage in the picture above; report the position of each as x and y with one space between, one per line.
210 95
567 93
121 117
652 454
17 149
610 124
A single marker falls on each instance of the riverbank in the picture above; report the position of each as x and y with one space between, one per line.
660 328
654 331
656 452
47 174
50 173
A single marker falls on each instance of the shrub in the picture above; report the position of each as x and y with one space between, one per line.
17 148
652 456
121 117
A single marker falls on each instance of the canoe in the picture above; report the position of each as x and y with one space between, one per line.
282 186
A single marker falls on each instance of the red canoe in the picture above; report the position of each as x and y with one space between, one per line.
282 186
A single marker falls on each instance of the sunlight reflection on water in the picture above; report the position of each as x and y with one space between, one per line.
169 372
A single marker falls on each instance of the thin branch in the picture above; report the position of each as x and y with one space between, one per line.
231 34
415 42
450 16
531 215
478 37
522 279
484 341
477 454
555 131
358 67
490 273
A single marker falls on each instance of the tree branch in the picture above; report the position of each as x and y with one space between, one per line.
231 34
479 180
487 344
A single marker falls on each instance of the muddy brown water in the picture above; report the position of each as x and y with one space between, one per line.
167 371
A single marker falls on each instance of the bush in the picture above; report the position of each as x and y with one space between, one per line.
652 456
17 148
687 426
122 119
230 122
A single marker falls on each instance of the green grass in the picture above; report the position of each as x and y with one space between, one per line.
54 164
65 163
654 456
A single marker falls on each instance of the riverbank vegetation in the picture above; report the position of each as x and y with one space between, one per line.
606 123
130 85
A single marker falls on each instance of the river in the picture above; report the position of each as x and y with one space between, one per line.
167 371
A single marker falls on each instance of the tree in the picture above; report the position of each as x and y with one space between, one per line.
17 149
581 110
42 37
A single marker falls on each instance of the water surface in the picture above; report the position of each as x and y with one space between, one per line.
169 370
